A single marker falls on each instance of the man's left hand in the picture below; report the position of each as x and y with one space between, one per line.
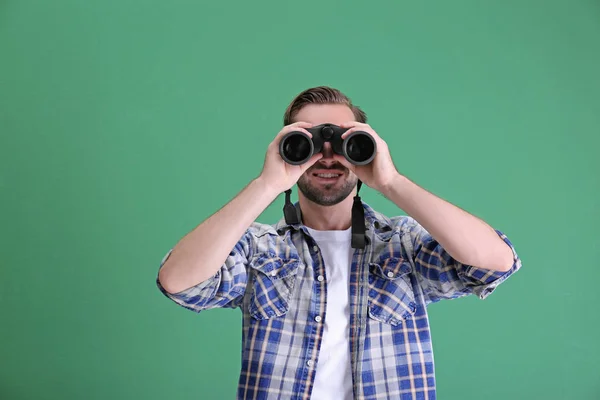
379 173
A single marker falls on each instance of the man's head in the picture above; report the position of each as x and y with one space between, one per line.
321 105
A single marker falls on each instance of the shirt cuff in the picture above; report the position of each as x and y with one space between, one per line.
488 280
195 297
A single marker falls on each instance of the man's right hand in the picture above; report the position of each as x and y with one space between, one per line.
276 173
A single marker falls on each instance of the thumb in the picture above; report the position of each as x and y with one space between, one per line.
311 161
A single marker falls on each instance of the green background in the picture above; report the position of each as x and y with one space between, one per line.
124 124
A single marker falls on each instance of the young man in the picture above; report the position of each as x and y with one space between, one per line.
322 319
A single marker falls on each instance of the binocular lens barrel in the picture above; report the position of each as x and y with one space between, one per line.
296 148
358 148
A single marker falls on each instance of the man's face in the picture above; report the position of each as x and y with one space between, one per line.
327 182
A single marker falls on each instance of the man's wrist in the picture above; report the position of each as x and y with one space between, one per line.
266 188
395 186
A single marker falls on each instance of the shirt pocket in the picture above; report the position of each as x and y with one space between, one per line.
391 295
273 282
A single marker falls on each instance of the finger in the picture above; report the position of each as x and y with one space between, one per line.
291 128
299 126
311 161
362 128
345 134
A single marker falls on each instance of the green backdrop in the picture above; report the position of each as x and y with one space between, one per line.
124 124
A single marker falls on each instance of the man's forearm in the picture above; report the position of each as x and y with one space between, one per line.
465 237
200 254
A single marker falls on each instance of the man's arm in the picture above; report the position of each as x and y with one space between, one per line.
465 237
201 253
454 253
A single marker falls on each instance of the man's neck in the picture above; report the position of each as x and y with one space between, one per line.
327 218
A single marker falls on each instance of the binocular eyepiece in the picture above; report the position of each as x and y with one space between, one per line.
358 148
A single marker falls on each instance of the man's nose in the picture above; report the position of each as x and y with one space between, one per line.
327 159
327 151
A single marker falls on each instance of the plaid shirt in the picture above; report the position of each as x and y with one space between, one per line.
276 276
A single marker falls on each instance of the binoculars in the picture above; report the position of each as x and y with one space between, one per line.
297 147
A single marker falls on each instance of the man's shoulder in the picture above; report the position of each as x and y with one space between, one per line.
374 219
258 229
378 220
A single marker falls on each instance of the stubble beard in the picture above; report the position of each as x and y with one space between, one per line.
326 195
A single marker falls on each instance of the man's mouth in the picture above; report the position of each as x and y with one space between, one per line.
328 177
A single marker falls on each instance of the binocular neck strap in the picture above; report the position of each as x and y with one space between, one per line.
292 216
358 221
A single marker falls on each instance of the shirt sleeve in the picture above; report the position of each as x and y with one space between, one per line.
443 277
225 289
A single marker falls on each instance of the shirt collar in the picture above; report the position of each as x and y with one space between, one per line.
374 221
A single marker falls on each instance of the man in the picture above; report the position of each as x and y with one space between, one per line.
321 319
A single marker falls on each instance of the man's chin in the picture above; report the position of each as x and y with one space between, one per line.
327 202
322 199
325 194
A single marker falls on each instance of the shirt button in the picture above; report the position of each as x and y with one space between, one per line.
316 248
318 318
309 363
320 278
390 274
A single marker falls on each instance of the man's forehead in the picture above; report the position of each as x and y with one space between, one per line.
325 113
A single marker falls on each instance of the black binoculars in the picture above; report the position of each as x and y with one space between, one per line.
297 147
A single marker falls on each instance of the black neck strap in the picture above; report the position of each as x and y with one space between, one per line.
293 216
358 221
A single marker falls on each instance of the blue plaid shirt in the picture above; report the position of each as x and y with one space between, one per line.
276 276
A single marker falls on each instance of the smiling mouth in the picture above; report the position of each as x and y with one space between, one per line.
328 177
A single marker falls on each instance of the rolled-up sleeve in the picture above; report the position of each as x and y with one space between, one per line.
225 289
443 277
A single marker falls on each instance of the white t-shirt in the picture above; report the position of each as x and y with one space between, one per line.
333 377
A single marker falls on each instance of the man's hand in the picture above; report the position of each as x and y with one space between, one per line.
279 175
465 237
380 173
